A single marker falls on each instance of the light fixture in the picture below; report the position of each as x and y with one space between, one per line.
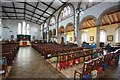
80 10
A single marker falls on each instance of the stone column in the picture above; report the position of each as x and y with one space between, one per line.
97 34
79 31
43 34
48 35
65 35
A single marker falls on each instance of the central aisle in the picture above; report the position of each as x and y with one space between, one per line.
30 64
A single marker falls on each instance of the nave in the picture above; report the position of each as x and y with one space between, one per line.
30 64
60 39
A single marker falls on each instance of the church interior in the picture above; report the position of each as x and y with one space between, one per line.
59 39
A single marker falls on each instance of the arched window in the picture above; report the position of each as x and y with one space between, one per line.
28 29
84 37
65 11
102 36
41 27
117 35
45 25
19 28
24 28
68 37
68 8
52 21
63 14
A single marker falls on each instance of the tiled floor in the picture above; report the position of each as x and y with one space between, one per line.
30 64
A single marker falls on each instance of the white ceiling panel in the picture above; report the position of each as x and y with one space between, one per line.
9 9
28 16
20 10
50 10
8 4
42 18
20 14
11 14
42 6
48 3
36 15
29 8
20 17
40 21
19 5
38 11
34 18
33 3
46 15
29 12
27 19
56 4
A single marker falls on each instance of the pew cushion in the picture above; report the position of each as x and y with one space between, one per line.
94 73
105 66
99 69
87 76
111 62
53 59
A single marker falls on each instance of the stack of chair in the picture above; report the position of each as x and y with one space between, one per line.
95 67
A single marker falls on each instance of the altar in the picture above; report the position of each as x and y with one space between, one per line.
24 43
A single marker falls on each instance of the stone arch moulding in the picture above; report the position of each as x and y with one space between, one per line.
105 11
103 30
50 19
62 9
70 24
87 17
60 29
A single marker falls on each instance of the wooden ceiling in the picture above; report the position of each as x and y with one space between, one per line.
61 30
111 17
88 23
69 27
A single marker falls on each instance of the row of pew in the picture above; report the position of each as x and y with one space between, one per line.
94 67
9 51
65 60
8 54
65 57
50 50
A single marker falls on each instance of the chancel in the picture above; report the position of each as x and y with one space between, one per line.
60 39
